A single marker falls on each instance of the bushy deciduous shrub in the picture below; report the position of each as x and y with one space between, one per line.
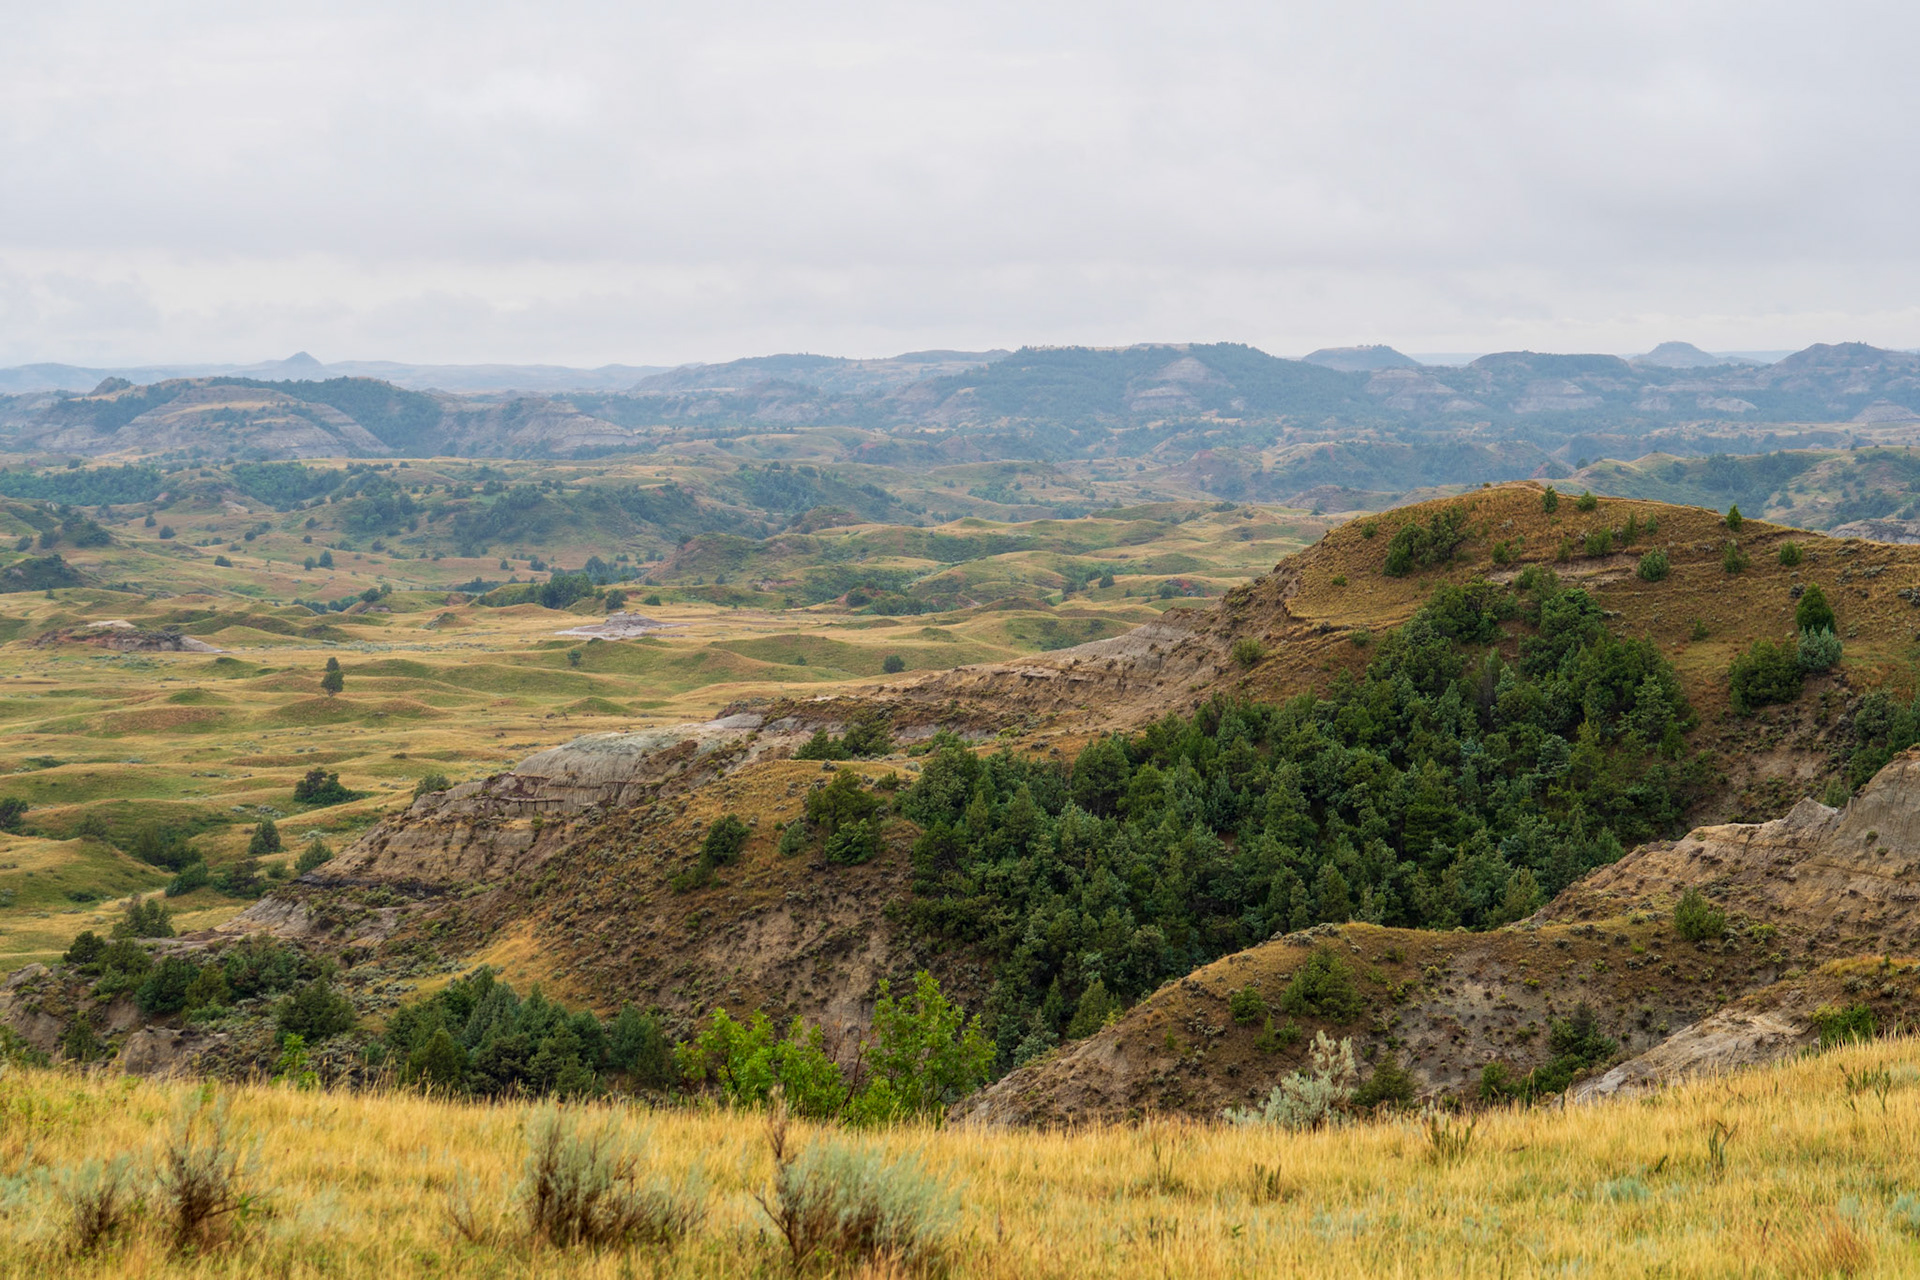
194 876
1248 651
1586 501
893 664
1791 554
1306 1100
205 1170
1654 565
99 1201
584 1186
844 1202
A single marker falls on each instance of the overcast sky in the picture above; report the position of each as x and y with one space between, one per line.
648 184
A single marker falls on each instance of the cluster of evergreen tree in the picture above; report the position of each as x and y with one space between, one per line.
1499 745
478 1035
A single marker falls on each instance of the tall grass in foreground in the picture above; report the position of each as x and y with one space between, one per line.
1808 1169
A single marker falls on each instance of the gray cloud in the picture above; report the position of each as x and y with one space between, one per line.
588 182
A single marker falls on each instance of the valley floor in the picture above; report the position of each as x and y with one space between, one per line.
1809 1168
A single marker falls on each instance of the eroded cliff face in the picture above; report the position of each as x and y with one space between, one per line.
1841 880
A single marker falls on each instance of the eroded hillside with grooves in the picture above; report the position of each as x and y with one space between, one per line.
640 821
578 867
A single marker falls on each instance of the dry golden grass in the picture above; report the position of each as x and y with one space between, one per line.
1817 1177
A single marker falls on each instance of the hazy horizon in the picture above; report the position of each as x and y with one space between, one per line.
581 184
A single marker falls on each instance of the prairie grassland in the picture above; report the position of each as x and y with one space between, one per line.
101 743
1806 1169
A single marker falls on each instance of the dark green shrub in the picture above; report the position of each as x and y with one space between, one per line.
430 783
315 854
1696 919
1733 559
893 664
725 839
1323 987
821 746
1841 1026
86 948
853 842
1654 565
194 877
165 989
145 918
1096 1004
1390 1085
1790 554
315 1011
1550 500
1418 546
1813 613
266 839
122 967
80 1042
319 787
439 1063
1273 1039
1586 501
1734 519
1246 1005
1600 542
1765 673
637 1045
1248 651
840 803
163 848
12 811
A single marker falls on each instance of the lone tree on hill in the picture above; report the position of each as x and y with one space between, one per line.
266 839
334 680
1813 613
